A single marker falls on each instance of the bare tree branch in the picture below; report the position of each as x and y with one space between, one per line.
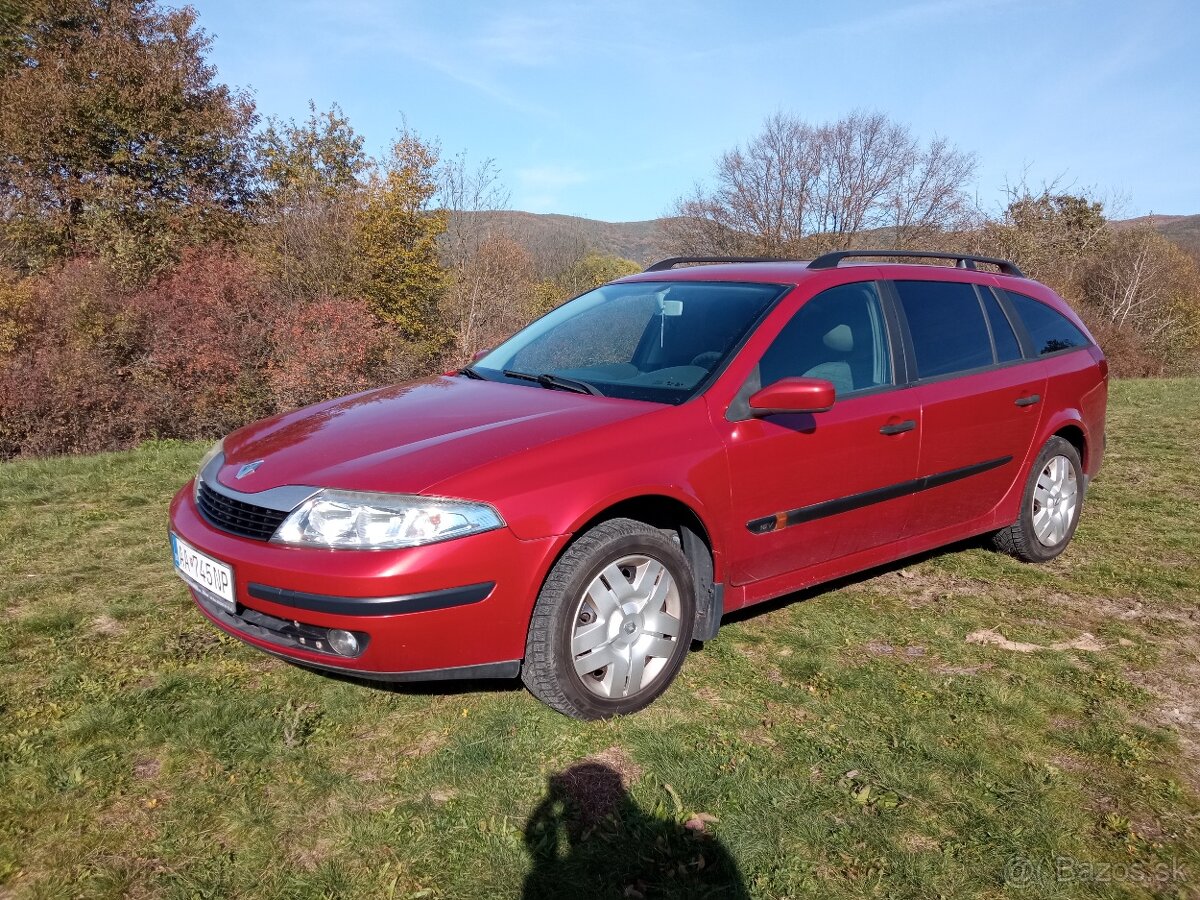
797 188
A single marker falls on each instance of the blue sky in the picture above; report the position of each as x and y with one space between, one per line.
612 110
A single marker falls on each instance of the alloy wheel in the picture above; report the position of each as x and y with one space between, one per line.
1055 499
627 626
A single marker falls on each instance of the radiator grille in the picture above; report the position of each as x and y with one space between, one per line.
236 517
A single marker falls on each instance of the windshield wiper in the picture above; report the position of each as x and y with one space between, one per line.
470 372
556 382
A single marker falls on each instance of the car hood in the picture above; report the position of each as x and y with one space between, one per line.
405 438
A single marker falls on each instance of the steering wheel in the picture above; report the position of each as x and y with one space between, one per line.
707 359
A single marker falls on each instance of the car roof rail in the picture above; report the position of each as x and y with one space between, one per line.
961 260
672 261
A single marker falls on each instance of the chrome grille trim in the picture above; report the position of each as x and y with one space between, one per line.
283 499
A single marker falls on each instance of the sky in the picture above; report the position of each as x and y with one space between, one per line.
614 110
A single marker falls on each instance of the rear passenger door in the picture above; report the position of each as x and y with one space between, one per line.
980 401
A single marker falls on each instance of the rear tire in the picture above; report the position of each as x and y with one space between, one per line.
612 623
1050 506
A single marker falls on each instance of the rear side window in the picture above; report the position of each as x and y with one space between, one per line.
945 319
1049 330
1007 348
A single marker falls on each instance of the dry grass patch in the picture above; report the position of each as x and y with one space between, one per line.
991 637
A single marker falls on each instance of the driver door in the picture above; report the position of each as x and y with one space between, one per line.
810 488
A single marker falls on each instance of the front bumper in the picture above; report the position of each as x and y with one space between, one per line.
455 609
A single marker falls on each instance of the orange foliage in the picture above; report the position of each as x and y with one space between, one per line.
89 366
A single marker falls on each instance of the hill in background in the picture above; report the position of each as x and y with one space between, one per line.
1182 230
641 241
637 241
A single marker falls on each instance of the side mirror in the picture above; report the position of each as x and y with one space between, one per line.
480 354
793 395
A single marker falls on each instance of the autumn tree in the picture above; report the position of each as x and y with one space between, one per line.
491 296
798 188
1049 232
489 274
556 251
15 16
589 271
593 270
322 154
397 232
117 139
311 190
493 285
1141 295
471 195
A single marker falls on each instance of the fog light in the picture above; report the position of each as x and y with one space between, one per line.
343 643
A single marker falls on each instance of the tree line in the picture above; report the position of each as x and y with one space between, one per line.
171 265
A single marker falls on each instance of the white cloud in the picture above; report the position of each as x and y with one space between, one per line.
521 40
480 47
366 26
539 187
550 177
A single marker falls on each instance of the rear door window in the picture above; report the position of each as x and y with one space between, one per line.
1049 330
947 325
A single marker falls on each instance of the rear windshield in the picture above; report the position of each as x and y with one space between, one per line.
657 341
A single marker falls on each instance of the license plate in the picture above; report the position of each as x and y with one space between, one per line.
213 578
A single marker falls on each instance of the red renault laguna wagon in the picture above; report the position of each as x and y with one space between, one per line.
594 494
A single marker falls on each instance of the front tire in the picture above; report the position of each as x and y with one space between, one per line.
1050 505
612 623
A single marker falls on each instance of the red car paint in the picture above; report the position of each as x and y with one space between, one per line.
551 463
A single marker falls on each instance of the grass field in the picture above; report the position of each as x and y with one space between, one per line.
849 742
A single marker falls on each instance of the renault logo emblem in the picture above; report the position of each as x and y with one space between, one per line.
248 468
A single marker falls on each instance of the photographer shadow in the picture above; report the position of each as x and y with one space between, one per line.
589 839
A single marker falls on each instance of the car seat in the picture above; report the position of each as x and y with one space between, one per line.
838 340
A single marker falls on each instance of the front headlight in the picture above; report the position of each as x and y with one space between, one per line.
347 520
213 451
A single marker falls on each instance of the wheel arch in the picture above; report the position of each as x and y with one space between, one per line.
1069 425
696 540
1074 435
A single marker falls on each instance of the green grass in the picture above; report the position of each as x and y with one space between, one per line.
850 743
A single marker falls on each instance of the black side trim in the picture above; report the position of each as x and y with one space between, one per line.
767 524
374 606
932 481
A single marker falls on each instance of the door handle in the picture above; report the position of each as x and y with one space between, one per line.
898 427
1028 401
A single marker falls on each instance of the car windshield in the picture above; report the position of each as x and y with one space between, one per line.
657 341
